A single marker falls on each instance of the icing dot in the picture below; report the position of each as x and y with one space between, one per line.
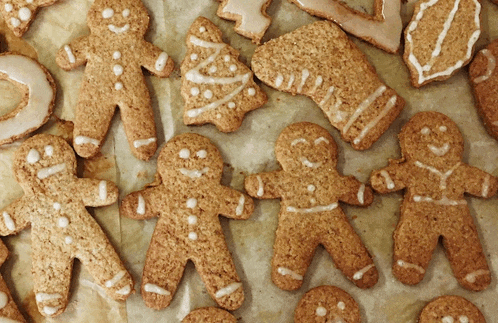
231 105
4 299
116 54
233 68
63 222
251 91
49 150
425 131
218 116
194 57
226 58
33 156
213 69
313 201
8 7
194 91
15 22
126 13
201 153
341 306
192 219
321 311
68 240
208 94
463 319
118 86
447 319
443 128
24 14
311 188
118 69
192 236
107 13
184 153
57 206
29 1
191 203
202 29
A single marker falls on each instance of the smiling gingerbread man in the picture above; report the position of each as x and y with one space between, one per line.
115 53
435 178
310 188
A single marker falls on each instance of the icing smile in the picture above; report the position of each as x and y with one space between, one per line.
439 151
307 163
119 30
194 173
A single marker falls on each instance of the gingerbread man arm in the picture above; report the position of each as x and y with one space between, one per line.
389 179
264 185
73 54
355 192
479 183
234 204
155 60
95 192
15 217
139 205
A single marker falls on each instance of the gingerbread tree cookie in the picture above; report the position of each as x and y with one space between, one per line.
115 53
310 188
335 74
61 228
188 202
19 14
8 308
440 38
216 87
435 179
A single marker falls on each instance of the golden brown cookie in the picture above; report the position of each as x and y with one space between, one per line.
188 202
9 313
114 54
310 189
19 14
38 89
451 309
484 79
327 304
335 74
435 180
440 38
61 228
216 86
209 315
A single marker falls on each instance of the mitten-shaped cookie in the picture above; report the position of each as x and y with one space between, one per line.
9 313
451 309
115 53
61 228
310 188
440 38
19 14
435 178
209 315
188 202
335 74
216 86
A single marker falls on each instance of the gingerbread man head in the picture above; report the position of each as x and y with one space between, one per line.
189 158
42 160
305 146
118 18
431 138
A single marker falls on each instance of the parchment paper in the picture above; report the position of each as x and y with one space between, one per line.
246 151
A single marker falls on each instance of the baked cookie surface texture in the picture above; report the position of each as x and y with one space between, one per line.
310 189
209 315
9 313
435 180
451 309
19 14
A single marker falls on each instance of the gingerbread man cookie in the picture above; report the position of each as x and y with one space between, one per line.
115 53
327 304
188 202
310 188
9 313
451 309
19 14
61 228
209 315
435 178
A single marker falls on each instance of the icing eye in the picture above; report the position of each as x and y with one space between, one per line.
201 153
425 131
33 156
107 13
321 139
443 128
297 141
321 311
126 13
184 153
49 151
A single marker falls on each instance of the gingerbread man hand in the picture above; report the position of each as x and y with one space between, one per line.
188 202
61 228
310 188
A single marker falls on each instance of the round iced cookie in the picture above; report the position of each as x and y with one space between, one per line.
451 309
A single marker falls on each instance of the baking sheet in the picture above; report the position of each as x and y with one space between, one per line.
247 151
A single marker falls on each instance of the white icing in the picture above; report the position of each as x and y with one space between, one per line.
161 61
252 20
50 310
194 57
485 186
42 297
111 282
202 29
311 188
124 291
447 319
304 76
233 68
63 222
297 141
389 105
321 311
279 80
231 105
443 201
68 240
118 86
463 319
201 153
126 13
192 236
287 272
144 142
9 223
107 13
291 81
195 91
227 290
309 164
184 153
439 151
4 300
24 14
33 156
103 190
118 69
327 96
49 150
425 131
240 206
192 219
405 264
141 205
81 140
70 55
318 82
191 203
57 206
29 1
490 68
152 288
471 278
119 30
49 171
116 55
213 69
313 201
208 94
194 173
341 306
26 71
359 274
315 209
9 7
321 139
443 128
261 190
363 106
361 194
251 91
15 22
389 182
226 58
443 176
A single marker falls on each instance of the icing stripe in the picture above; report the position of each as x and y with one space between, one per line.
359 274
143 142
228 290
361 194
287 272
261 190
9 223
49 171
304 76
490 68
443 201
389 105
319 208
161 62
318 82
103 190
327 96
152 288
240 206
111 282
389 182
70 54
291 81
485 187
81 140
279 80
363 106
471 278
141 205
42 297
405 264
50 310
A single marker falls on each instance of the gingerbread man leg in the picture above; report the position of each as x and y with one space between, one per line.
464 251
217 270
348 251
